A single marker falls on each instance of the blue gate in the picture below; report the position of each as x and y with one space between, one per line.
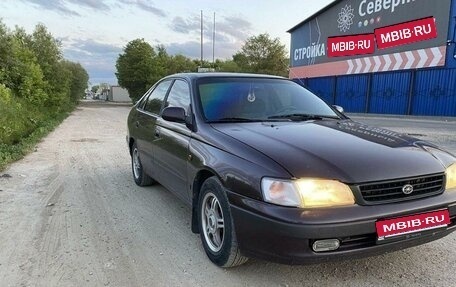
435 93
430 92
323 87
390 93
352 93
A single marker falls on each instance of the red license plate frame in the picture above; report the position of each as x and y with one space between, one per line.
394 227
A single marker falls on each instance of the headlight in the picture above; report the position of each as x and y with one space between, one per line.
307 193
451 176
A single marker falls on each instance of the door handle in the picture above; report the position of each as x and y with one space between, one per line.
157 133
137 124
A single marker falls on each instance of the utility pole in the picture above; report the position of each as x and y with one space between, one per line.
213 44
202 39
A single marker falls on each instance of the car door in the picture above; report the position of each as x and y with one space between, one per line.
171 147
146 125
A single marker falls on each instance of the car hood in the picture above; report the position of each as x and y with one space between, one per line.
344 150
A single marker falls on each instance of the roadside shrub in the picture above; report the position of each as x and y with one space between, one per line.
37 88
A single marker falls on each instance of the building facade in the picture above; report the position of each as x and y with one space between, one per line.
118 94
380 56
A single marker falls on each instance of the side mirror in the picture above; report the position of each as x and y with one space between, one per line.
339 109
174 114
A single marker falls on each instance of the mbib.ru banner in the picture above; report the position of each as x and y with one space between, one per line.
309 39
413 223
406 33
351 45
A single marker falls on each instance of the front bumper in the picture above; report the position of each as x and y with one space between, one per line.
286 235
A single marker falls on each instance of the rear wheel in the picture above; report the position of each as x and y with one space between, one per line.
216 226
141 178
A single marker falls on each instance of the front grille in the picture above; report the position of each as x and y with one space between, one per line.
391 191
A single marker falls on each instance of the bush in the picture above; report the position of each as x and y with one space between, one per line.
37 89
12 124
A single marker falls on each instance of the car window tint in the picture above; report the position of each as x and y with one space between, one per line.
179 95
251 98
155 100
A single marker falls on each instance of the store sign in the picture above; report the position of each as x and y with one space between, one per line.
320 40
379 6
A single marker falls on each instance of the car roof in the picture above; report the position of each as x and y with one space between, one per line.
192 76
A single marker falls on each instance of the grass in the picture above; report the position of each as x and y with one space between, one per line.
12 153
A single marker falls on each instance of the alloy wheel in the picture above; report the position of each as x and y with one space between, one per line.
136 163
213 222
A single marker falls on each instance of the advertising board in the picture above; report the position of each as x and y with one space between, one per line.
386 34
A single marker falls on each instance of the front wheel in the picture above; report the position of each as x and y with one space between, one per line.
216 226
141 178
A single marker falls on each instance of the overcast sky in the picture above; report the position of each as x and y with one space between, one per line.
93 32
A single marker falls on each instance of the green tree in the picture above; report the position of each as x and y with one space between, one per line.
227 66
36 84
79 79
48 52
168 65
21 87
26 75
19 69
94 89
46 48
104 85
162 61
261 54
6 56
37 88
206 64
136 68
181 64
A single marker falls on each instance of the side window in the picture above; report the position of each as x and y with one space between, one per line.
179 96
155 100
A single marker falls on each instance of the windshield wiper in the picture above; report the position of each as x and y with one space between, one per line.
235 119
303 117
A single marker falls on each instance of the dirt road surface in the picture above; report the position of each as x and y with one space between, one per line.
71 215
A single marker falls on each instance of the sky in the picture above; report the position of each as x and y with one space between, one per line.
94 32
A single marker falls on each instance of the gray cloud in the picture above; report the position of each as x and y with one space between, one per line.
57 6
95 48
185 26
148 7
145 5
97 58
236 27
231 33
192 49
62 6
94 4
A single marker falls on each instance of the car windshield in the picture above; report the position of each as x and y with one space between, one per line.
259 99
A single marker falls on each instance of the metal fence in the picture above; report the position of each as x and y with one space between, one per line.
428 92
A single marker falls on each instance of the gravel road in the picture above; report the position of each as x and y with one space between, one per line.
71 215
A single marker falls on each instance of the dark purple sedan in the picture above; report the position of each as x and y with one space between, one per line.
273 172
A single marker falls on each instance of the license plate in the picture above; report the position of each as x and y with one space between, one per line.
414 223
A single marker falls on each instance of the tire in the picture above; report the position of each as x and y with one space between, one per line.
139 175
216 226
